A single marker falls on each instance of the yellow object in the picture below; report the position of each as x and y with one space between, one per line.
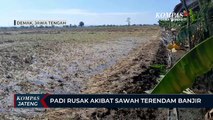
175 46
170 46
174 50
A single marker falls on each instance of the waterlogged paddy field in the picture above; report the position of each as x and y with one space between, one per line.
60 60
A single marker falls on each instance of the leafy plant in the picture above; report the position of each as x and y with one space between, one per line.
193 16
188 23
160 67
196 62
183 34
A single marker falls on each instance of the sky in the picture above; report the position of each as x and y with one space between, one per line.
91 12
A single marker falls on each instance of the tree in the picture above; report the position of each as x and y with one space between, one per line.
206 10
188 23
81 24
128 21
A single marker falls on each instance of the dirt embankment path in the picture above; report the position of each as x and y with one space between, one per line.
125 75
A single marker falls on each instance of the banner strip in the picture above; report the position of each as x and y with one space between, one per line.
112 101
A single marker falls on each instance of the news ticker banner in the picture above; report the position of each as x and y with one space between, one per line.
112 101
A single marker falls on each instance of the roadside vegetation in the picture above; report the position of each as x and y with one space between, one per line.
192 73
194 35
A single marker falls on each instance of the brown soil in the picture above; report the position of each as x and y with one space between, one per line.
34 66
122 75
131 75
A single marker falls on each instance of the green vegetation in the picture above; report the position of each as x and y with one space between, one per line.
188 24
160 67
197 32
193 16
197 62
197 27
81 24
